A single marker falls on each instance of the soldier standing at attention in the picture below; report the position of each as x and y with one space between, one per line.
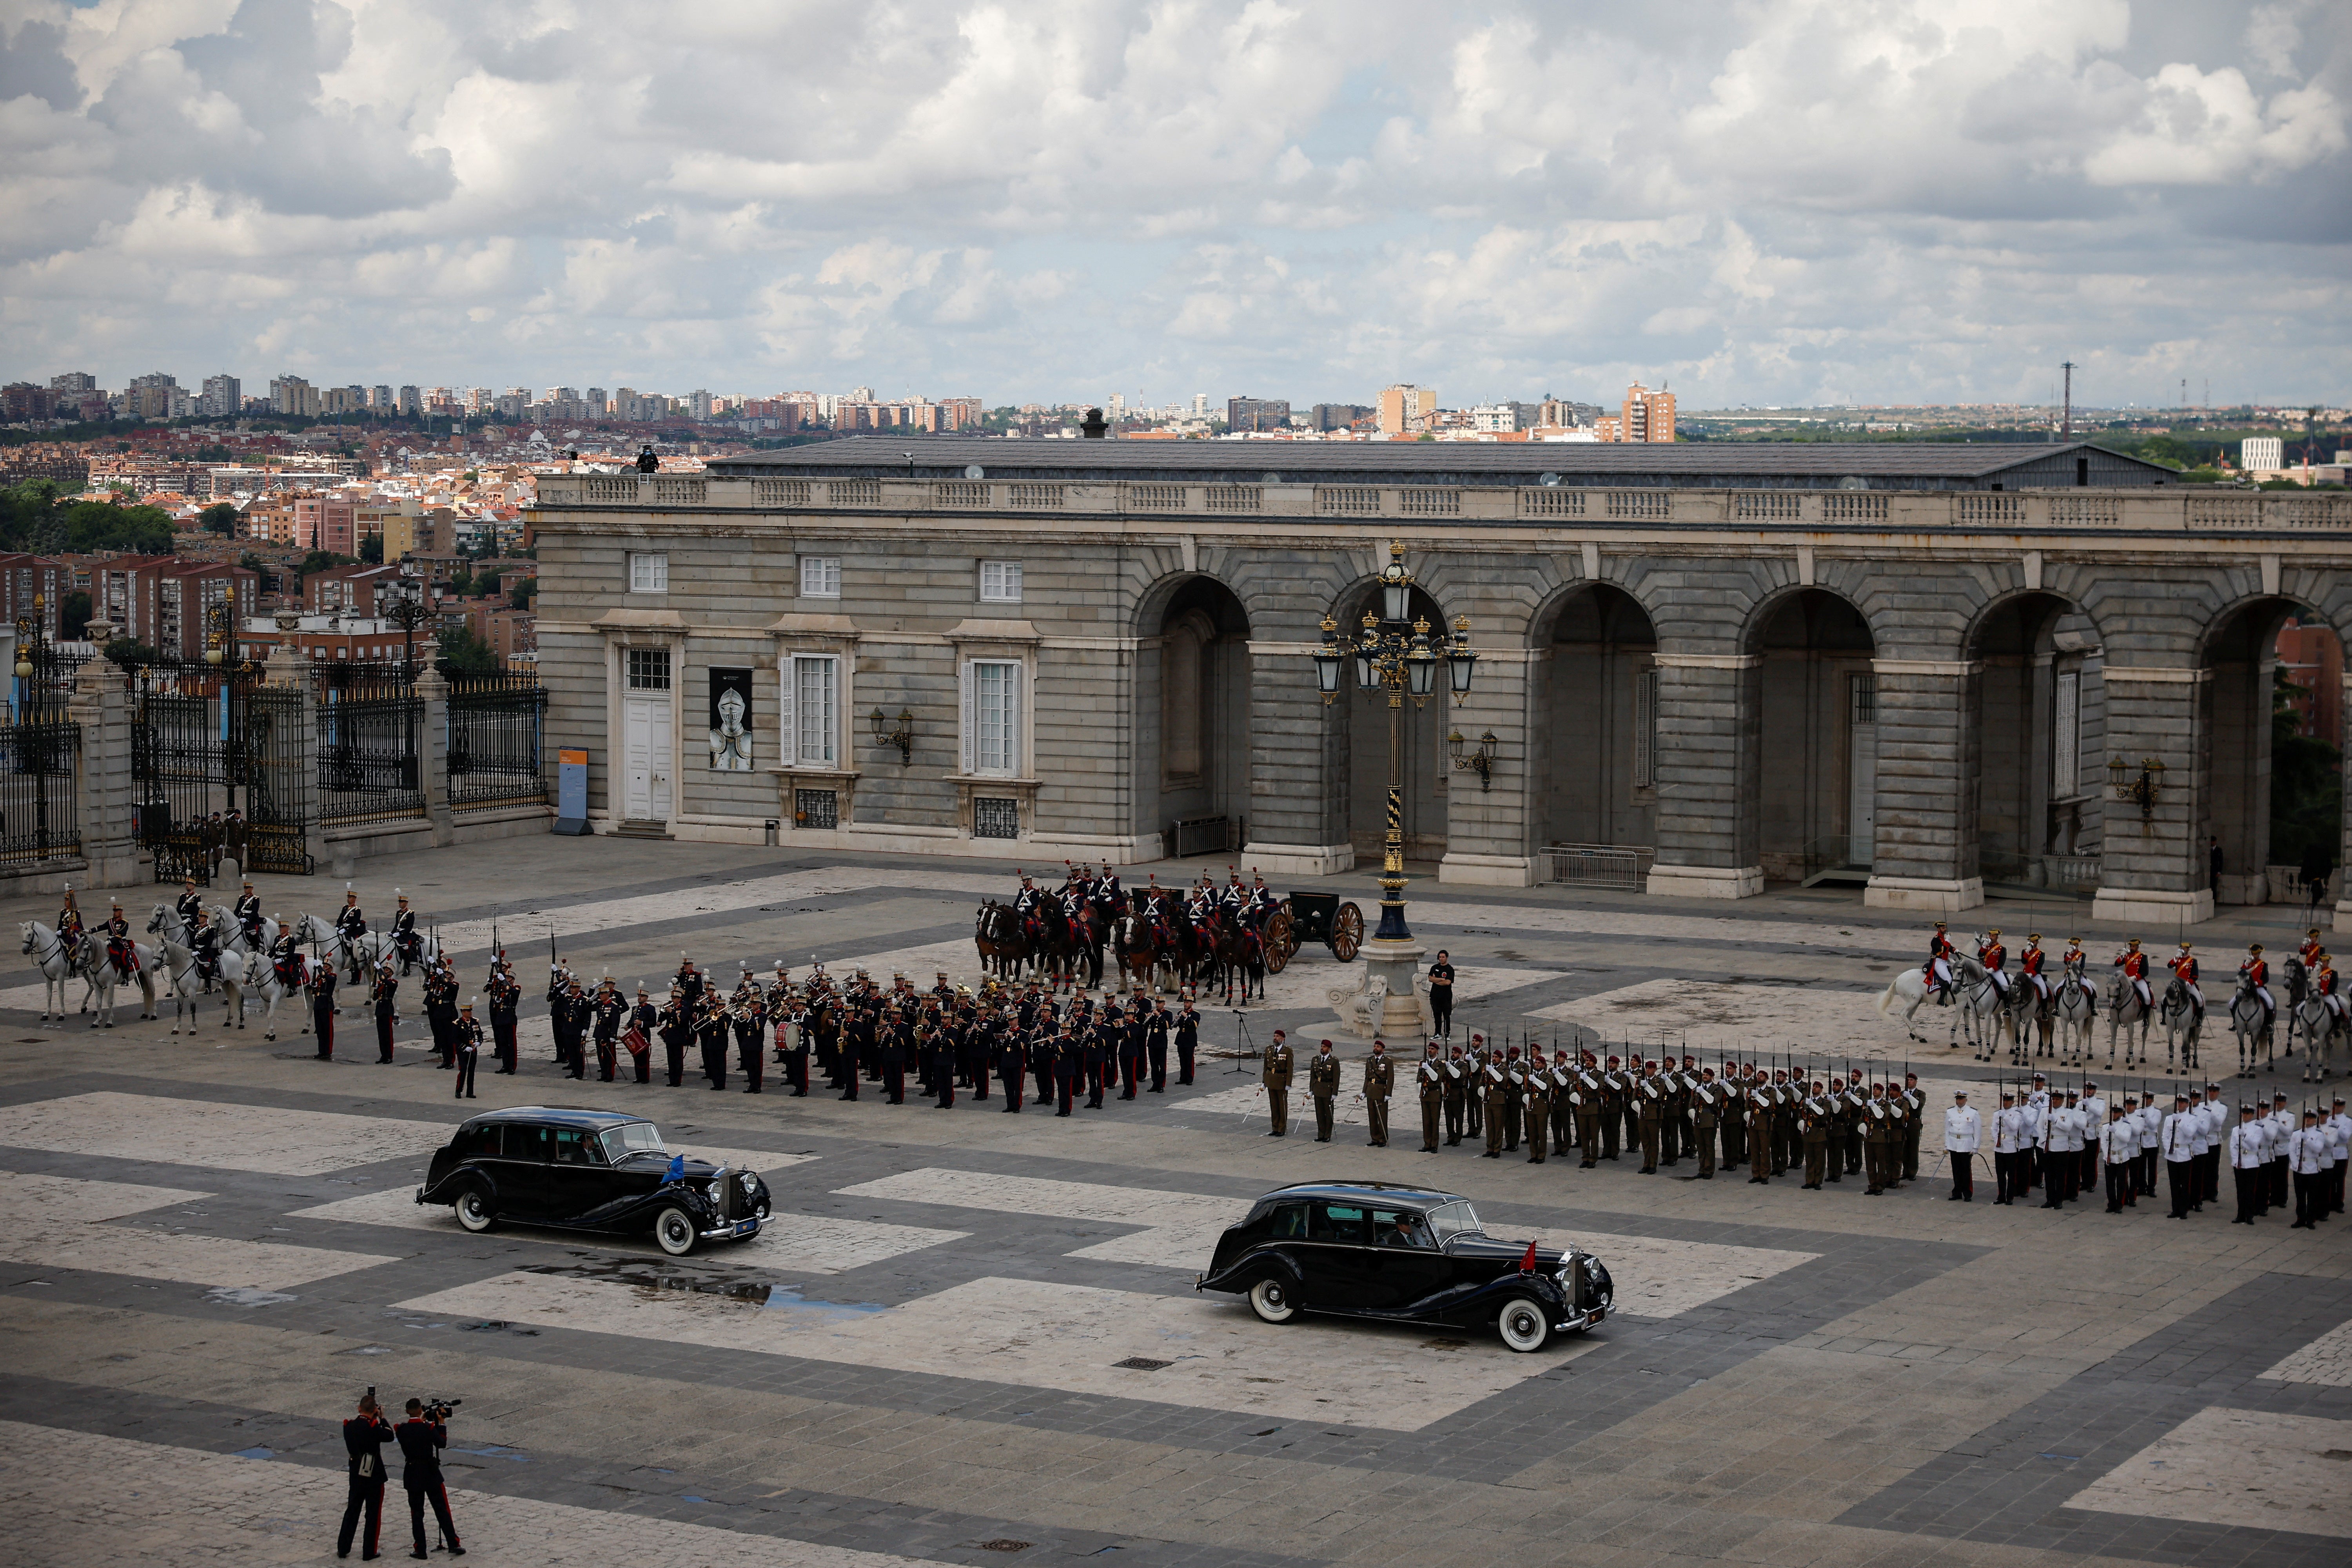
1813 1127
1429 1083
1155 1045
469 1035
1011 1069
1473 1086
504 993
2007 1138
607 1010
1963 1130
1274 1073
1323 1084
1188 1041
1650 1103
1455 1087
1380 1082
1063 1052
675 1027
711 1033
1758 1110
1586 1095
1515 1090
1536 1112
2249 1152
1440 996
323 1009
1877 1123
1915 1116
386 1015
1495 1090
1707 1107
750 1023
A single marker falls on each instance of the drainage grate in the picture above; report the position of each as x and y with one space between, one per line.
1003 1546
1142 1363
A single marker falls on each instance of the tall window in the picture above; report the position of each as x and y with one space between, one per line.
820 577
992 717
648 573
1000 582
2066 741
815 699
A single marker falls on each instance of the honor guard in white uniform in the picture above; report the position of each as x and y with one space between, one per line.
1963 1132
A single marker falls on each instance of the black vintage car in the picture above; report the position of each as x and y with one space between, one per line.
1370 1250
589 1170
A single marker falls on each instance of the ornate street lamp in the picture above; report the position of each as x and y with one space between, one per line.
2142 790
1401 659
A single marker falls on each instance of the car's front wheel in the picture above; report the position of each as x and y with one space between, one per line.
474 1210
673 1231
1525 1325
1273 1302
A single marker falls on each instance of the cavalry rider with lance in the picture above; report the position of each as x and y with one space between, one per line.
352 925
1262 902
187 906
404 940
2029 964
2183 965
2074 962
1995 959
1938 966
70 929
2134 964
2257 973
286 957
2323 984
120 951
248 915
1028 903
204 943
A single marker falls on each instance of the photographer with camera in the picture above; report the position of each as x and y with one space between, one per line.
422 1437
364 1435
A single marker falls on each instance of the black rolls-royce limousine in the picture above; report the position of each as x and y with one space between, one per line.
1408 1255
589 1170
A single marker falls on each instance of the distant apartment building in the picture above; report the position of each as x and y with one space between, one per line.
365 590
76 382
381 400
411 400
143 475
1648 416
2312 657
1494 418
21 401
1337 416
431 531
2262 453
961 412
598 401
224 397
333 635
326 520
163 600
1407 409
1255 414
25 579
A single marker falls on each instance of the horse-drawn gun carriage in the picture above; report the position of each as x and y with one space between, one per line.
1313 917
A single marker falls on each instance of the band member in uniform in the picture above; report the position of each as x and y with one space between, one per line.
638 1032
711 1029
323 1009
505 992
1188 1041
675 1023
605 1013
1156 1025
749 1018
468 1033
385 996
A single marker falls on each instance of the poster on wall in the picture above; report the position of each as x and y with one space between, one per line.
730 721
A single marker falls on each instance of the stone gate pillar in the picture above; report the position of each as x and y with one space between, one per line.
1924 846
1708 709
106 809
433 754
2152 870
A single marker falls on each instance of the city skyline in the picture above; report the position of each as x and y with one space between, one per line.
1793 205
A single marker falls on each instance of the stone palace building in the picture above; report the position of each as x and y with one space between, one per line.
1914 668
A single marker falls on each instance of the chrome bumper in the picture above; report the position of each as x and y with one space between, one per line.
1577 1322
741 1227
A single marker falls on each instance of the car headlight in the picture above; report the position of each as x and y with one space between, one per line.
750 1182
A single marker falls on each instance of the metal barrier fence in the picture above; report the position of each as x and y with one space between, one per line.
1202 836
370 729
494 726
1623 867
38 821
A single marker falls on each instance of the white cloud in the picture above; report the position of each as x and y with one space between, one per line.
1771 201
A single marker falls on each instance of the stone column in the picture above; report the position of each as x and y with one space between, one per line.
433 754
1487 829
1923 850
1708 705
1296 818
2152 871
107 807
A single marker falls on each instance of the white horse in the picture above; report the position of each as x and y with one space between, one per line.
2183 1023
103 979
349 957
261 982
179 965
2252 1025
2126 1011
2320 1026
60 964
2077 1010
233 934
1910 987
1978 1009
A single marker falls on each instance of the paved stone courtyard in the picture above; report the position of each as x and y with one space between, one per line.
208 1249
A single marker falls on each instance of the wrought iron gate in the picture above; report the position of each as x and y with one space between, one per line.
195 743
370 727
279 803
494 728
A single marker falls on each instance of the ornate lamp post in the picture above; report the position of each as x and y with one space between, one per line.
408 612
2142 790
1399 658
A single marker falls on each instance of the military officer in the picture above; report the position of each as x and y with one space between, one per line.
385 996
1429 1084
1813 1127
1877 1127
1535 1116
1495 1092
1586 1095
1650 1107
323 1009
1323 1084
248 913
1273 1075
468 1034
1380 1083
1473 1100
1188 1041
405 941
1758 1110
1514 1092
351 923
1454 1085
1914 1101
1706 1110
1963 1130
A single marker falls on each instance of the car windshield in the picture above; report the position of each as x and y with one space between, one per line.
1456 1218
632 1138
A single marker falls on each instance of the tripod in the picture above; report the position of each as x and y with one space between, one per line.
1249 1046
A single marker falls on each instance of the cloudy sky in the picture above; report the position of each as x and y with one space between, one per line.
1773 201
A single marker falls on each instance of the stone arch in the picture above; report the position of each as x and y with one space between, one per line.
1808 655
2036 696
1193 711
2265 798
1594 708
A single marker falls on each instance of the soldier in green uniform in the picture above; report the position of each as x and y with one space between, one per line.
1274 1074
1813 1123
1429 1081
1514 1092
1758 1110
1585 1094
1878 1125
1494 1089
1538 1112
1323 1084
1914 1115
1380 1082
1456 1087
1474 1102
1650 1106
1706 1110
1735 1117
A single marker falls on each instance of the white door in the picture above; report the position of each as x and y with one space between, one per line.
645 760
1862 773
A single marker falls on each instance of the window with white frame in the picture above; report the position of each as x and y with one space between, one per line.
991 717
820 577
811 693
1000 582
649 572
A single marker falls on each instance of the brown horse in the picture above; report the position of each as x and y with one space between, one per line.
1003 946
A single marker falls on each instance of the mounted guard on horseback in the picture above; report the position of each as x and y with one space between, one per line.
122 951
